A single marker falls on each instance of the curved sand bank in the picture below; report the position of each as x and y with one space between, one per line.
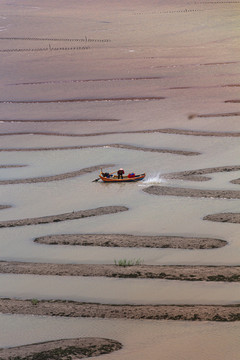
168 272
196 175
63 217
118 146
233 218
162 131
125 240
61 349
196 193
58 177
154 312
141 98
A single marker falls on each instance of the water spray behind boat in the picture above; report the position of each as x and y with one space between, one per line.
153 178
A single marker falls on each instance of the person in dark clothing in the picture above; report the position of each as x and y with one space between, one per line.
120 173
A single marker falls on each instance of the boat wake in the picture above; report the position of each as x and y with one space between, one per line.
154 178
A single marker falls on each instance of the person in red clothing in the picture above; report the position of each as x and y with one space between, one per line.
120 173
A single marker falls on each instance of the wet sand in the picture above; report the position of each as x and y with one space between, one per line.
172 272
233 218
62 349
154 312
125 240
196 193
58 177
162 44
63 217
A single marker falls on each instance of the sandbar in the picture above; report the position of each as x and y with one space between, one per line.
127 240
233 218
188 192
58 177
167 272
153 312
104 210
61 349
196 175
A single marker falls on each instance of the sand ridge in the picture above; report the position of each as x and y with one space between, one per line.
104 210
233 218
153 312
117 146
58 177
61 349
136 241
168 272
196 175
2 207
146 131
188 192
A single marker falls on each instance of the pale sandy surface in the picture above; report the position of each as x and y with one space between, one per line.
62 349
126 240
190 273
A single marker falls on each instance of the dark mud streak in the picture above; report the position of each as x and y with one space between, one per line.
136 241
152 131
196 175
233 218
58 120
61 349
58 177
148 98
118 146
3 207
63 217
154 312
196 193
84 39
89 80
237 101
167 272
236 181
217 115
11 166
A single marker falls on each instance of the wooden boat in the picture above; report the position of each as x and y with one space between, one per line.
114 178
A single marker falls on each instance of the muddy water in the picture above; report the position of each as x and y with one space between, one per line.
186 53
141 339
117 291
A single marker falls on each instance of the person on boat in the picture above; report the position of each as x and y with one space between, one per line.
131 175
120 173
